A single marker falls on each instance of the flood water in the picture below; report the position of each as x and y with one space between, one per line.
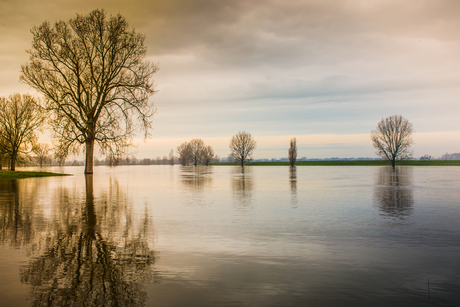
227 236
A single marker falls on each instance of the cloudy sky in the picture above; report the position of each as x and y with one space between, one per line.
323 71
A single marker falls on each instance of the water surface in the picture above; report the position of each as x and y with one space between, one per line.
227 236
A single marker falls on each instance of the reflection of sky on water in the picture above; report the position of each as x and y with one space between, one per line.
192 228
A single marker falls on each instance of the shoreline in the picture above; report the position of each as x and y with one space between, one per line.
353 163
7 175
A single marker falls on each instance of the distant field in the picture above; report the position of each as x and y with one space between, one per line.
21 174
356 163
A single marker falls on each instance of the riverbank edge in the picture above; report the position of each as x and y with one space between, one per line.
354 163
6 175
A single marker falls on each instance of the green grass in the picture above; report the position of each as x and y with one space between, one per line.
21 174
355 163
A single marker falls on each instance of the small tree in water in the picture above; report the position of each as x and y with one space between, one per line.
242 146
197 146
92 73
292 151
207 155
392 139
184 151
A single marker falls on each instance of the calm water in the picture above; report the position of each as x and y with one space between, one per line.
220 236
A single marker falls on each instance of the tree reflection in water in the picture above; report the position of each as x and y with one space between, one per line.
18 220
293 183
196 177
80 264
393 192
242 186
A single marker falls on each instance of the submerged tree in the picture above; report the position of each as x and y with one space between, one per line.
171 157
197 146
292 151
95 79
20 118
207 155
392 139
241 146
184 151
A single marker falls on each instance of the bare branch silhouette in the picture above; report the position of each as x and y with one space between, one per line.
184 151
42 151
197 146
207 155
20 118
392 139
242 146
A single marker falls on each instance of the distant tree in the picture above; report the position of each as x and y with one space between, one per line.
292 152
42 151
60 156
20 118
171 157
197 146
242 146
184 151
230 158
95 79
215 159
392 139
2 156
207 155
425 157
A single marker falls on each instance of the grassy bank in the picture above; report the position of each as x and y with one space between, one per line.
21 174
355 163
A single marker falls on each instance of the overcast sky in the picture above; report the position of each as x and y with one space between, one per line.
325 72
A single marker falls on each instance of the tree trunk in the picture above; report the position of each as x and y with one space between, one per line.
393 163
41 162
14 157
242 162
89 156
90 214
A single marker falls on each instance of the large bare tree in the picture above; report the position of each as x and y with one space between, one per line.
20 118
392 139
241 146
292 151
95 79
